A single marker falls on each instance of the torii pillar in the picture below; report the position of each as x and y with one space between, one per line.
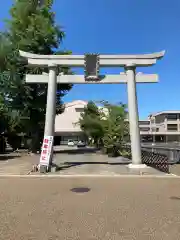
129 62
133 116
51 101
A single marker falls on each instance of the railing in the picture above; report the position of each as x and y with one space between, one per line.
153 158
173 153
156 160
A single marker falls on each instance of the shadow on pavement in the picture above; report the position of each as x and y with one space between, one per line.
77 151
67 165
73 164
175 198
8 157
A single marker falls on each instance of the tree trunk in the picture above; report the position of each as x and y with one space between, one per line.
36 141
2 144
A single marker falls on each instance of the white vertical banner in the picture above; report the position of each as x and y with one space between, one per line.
46 150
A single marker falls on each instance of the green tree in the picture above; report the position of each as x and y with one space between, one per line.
106 125
3 124
116 129
31 28
91 122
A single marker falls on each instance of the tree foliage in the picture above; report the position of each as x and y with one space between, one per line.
90 122
31 28
116 129
107 125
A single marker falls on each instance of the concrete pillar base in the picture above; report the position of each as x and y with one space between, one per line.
53 169
43 169
137 166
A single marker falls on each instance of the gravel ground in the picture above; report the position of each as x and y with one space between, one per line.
114 208
175 169
97 164
21 163
70 163
17 163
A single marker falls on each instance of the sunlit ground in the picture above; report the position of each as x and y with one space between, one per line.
114 208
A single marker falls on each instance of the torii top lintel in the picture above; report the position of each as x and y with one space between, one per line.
104 60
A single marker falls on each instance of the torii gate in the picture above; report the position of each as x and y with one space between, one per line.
91 63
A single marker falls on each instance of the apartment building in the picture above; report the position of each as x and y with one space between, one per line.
160 127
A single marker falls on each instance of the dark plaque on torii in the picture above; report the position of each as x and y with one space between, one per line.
91 67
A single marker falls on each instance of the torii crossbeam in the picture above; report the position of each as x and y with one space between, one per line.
129 62
80 79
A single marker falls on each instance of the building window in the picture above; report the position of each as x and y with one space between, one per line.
64 139
172 127
144 123
172 117
80 110
144 129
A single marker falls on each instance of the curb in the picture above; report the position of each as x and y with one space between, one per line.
87 176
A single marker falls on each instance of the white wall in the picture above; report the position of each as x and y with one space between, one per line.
65 122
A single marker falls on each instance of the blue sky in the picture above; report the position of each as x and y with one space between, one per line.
119 27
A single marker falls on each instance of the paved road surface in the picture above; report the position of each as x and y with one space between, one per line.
114 208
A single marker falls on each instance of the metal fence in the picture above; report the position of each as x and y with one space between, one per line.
154 158
173 153
161 157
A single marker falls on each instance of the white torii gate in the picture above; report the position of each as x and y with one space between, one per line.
129 62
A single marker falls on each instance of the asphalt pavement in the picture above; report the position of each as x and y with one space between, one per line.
110 208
